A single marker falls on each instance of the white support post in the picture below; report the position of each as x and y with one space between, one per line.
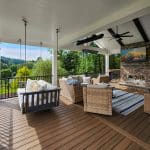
54 60
54 67
107 64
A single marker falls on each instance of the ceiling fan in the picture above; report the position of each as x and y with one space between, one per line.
115 35
89 39
118 36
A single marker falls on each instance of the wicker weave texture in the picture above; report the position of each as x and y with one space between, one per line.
98 100
100 79
147 103
73 93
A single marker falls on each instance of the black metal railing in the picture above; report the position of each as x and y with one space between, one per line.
9 86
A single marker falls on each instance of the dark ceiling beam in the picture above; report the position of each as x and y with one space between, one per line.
137 44
141 29
110 30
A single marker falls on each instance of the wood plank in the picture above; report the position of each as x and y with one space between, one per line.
58 135
112 142
50 127
83 137
103 140
134 146
87 142
123 145
68 127
125 133
74 135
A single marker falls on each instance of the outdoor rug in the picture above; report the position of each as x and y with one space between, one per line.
125 103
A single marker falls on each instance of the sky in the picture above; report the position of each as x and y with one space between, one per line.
32 52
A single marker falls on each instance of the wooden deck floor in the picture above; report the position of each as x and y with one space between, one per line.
68 127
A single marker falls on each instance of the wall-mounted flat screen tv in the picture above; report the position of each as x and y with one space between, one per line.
133 55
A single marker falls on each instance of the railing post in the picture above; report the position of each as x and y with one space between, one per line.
8 87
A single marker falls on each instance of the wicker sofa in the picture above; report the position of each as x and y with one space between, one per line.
73 93
97 99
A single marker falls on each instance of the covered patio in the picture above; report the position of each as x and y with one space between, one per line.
68 126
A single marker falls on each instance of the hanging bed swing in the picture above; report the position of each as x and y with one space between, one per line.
38 94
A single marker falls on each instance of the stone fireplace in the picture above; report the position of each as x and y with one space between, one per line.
137 72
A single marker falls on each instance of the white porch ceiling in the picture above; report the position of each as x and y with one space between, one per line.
78 18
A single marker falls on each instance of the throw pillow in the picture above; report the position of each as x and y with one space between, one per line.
73 82
87 80
43 84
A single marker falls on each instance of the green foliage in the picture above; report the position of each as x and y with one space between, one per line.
42 68
3 65
30 64
21 72
13 68
24 71
5 73
61 71
114 62
71 61
91 63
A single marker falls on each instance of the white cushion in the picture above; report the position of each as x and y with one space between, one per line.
51 87
33 86
43 84
63 78
87 80
103 85
98 86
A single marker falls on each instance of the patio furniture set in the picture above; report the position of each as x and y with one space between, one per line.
98 96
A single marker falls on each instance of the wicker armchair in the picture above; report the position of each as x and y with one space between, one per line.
101 78
73 93
97 99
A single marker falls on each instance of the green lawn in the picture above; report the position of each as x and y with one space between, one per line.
4 89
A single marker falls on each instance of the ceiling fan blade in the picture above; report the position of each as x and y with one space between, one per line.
116 29
94 37
119 39
127 36
108 37
125 33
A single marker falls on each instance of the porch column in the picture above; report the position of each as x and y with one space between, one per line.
107 64
54 67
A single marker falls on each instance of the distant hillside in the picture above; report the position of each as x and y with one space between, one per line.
11 60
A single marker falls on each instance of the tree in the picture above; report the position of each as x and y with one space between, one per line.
3 65
5 73
13 68
42 68
21 72
61 71
114 62
24 71
70 62
30 64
